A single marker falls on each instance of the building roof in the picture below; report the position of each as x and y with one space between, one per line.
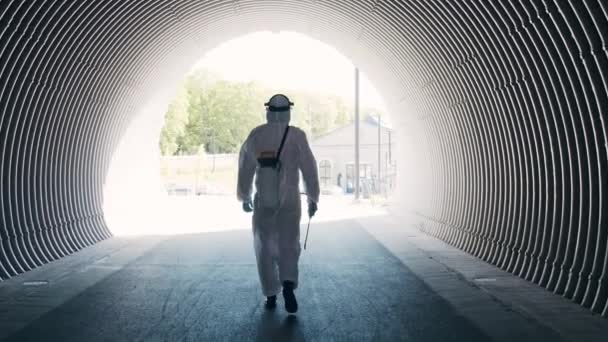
370 120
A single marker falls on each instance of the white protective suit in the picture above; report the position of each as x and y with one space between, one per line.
276 231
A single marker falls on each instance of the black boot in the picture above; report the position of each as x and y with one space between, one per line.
271 302
291 304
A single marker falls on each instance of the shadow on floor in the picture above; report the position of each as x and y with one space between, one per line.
275 327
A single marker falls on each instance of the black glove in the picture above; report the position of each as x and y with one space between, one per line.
247 206
312 208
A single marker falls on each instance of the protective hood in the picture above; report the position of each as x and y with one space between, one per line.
278 109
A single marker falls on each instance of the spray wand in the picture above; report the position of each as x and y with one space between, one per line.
307 229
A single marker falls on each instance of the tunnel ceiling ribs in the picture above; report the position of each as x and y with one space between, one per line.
500 107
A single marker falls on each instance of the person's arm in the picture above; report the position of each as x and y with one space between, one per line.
247 165
308 166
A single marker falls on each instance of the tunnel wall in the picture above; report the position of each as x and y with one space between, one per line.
499 106
515 139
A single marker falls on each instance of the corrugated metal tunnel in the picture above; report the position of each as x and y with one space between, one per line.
499 106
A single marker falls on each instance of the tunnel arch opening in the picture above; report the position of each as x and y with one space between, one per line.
136 197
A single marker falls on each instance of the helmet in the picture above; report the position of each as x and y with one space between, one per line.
278 109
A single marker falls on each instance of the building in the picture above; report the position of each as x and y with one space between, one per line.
335 154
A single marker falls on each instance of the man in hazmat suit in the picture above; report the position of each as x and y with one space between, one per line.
275 153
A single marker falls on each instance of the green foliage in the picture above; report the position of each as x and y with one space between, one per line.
175 121
218 114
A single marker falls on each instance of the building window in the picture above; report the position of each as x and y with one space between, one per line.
325 172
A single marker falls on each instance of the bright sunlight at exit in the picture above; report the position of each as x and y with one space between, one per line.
178 174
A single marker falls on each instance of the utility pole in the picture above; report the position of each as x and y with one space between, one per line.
213 151
389 166
310 120
379 152
390 159
356 133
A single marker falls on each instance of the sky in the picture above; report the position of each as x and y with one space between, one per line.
289 60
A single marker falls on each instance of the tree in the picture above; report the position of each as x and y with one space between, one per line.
218 114
175 120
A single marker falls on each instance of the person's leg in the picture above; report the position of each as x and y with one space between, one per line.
289 256
265 245
289 245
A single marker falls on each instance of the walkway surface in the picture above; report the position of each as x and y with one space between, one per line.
374 278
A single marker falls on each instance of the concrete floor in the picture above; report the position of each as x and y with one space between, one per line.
374 278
